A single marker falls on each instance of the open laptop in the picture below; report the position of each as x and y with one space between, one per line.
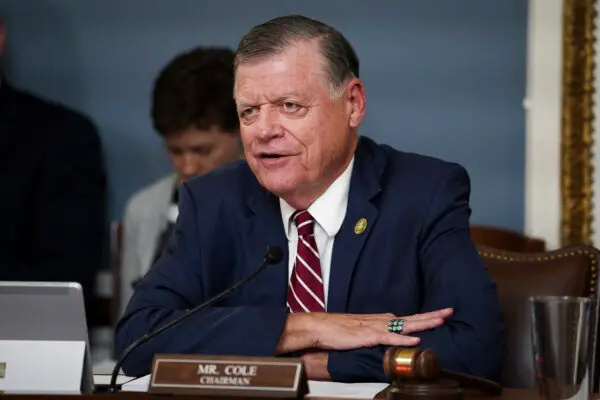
45 311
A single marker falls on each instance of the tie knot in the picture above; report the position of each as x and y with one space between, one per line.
304 222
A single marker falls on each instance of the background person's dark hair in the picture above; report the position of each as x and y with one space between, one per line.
195 90
274 36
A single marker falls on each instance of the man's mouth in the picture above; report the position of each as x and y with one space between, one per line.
271 155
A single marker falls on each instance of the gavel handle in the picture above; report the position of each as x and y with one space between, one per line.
474 382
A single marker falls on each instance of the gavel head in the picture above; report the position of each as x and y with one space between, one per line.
401 363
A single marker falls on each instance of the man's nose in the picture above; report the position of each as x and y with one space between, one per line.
270 124
190 166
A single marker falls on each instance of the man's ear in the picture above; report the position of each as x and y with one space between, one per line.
356 102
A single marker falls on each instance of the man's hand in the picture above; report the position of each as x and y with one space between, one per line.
352 331
347 331
315 365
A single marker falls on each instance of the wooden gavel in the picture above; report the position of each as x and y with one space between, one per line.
416 374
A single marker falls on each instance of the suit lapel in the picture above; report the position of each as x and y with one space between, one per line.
353 234
265 228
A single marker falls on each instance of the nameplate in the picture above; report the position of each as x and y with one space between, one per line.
41 366
235 376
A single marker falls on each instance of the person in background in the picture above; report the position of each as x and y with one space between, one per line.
194 112
53 201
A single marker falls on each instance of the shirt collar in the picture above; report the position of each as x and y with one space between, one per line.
328 210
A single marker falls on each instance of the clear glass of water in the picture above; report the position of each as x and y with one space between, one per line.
564 337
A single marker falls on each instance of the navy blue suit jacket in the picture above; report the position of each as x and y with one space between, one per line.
415 256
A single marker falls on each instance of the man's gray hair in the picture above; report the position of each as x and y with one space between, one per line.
276 35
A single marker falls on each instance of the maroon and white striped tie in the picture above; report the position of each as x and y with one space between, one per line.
305 290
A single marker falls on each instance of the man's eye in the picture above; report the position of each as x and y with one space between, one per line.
246 112
202 151
290 107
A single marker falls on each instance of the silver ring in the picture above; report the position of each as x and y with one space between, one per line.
395 325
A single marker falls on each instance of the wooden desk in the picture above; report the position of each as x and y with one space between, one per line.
515 394
509 394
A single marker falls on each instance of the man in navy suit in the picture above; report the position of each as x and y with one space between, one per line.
377 241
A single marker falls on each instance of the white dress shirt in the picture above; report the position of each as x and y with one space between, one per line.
328 212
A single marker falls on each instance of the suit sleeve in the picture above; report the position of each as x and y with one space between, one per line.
173 286
471 341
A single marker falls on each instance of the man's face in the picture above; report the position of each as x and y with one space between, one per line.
194 152
297 137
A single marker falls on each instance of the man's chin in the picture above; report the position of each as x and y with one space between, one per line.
183 179
278 185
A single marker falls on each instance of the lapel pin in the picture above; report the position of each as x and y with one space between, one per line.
361 226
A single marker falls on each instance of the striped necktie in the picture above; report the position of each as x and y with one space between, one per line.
305 290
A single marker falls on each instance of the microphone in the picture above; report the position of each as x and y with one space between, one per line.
273 255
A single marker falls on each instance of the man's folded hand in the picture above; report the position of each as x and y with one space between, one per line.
328 331
353 331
